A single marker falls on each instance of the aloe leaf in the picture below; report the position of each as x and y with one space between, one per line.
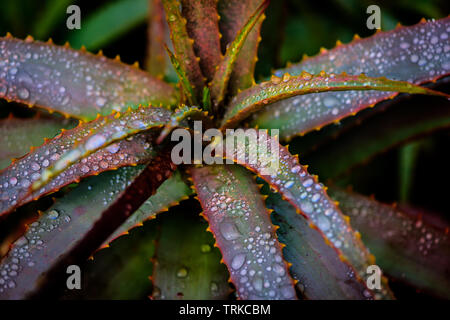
255 98
74 83
20 134
188 89
76 225
233 16
307 195
415 54
108 23
407 248
169 194
382 131
158 35
203 26
183 46
317 267
222 75
28 178
191 269
121 271
243 231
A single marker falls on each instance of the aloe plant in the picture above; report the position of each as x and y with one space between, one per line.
280 236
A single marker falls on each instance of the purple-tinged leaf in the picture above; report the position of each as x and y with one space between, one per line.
321 274
18 178
20 134
255 98
222 75
183 46
409 119
75 226
406 248
111 129
233 16
74 83
158 34
203 26
308 197
190 270
416 54
241 225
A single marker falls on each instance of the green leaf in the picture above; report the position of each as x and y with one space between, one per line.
169 194
241 225
76 225
233 16
203 26
222 75
416 54
406 247
306 194
49 17
255 98
121 271
20 134
74 83
183 46
191 269
188 89
322 275
28 178
380 132
108 23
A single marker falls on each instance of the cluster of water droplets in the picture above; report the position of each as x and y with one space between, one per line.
247 241
21 257
416 54
73 82
58 154
111 130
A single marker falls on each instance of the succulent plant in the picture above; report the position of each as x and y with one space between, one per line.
280 236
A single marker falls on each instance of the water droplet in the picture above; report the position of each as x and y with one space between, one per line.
205 248
35 166
295 169
238 261
229 231
308 182
53 214
113 148
330 102
288 292
95 142
257 283
23 93
214 287
182 272
100 101
306 207
323 223
289 184
13 181
278 269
